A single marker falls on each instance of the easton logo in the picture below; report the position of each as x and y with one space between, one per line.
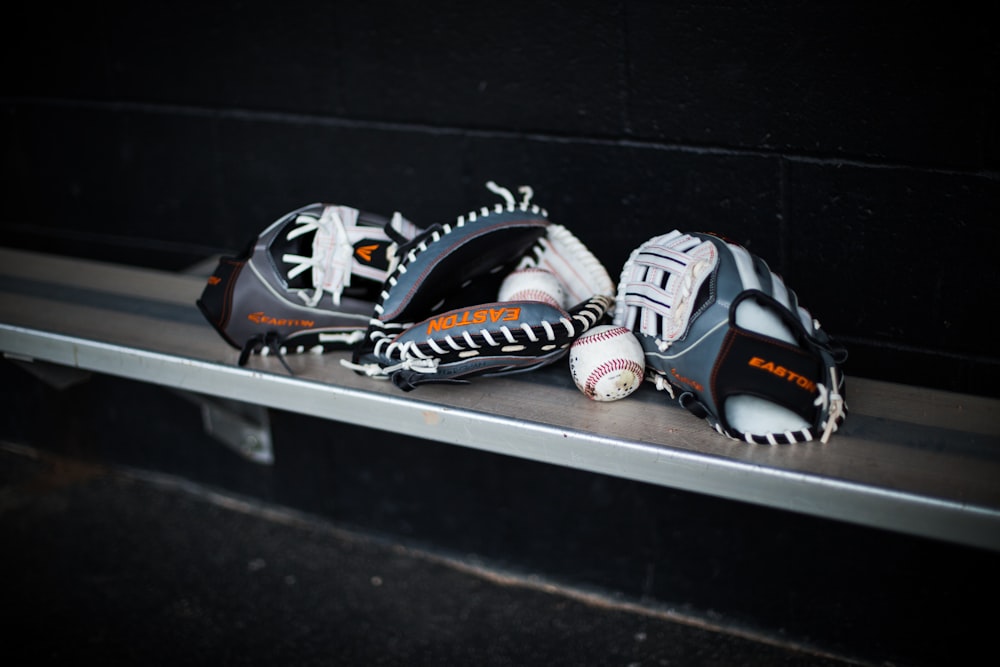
365 251
480 316
260 318
783 373
686 380
214 280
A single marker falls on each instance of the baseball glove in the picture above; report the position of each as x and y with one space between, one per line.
438 318
308 282
729 342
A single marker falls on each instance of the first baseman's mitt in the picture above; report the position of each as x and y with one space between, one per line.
307 283
726 339
438 318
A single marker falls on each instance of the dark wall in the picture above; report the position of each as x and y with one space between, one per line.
854 147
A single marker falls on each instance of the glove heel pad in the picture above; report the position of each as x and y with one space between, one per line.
216 301
763 385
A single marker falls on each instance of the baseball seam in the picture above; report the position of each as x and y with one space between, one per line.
610 366
533 295
599 336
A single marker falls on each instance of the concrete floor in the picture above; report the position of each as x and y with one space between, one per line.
112 566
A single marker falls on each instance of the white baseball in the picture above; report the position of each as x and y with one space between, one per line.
533 284
607 363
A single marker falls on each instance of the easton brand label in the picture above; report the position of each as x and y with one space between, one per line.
686 380
477 316
785 374
260 318
365 252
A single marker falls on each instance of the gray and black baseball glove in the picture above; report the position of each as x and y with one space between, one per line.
307 283
728 340
438 318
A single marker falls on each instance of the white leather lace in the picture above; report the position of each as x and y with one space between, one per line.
833 402
412 357
332 260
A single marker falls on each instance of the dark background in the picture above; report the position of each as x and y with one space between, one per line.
854 146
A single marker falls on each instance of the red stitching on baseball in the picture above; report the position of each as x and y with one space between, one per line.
610 366
533 295
602 335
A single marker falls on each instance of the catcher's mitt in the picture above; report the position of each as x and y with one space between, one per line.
438 319
726 339
270 298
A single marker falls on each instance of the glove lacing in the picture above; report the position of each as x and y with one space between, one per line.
411 357
264 344
832 403
509 197
374 370
663 384
333 250
415 359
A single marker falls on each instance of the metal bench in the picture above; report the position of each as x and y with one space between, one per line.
908 459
